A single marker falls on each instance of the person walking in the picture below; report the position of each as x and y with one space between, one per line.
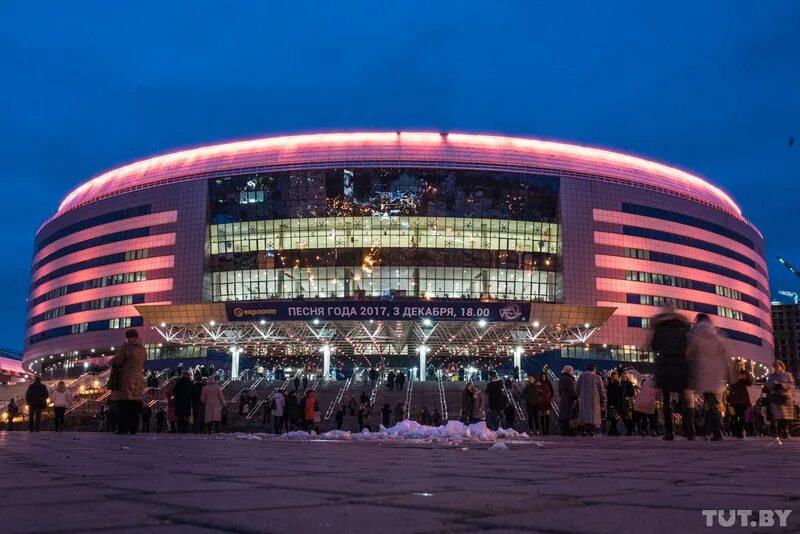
129 365
567 398
399 413
497 401
12 411
198 411
278 407
386 415
294 414
467 403
644 408
305 381
531 394
780 386
669 342
739 398
311 411
36 397
591 400
296 382
436 418
708 369
615 401
545 402
213 402
183 393
628 395
147 414
61 399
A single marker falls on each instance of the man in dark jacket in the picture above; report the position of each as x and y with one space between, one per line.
615 400
739 397
496 399
36 397
531 393
670 340
183 393
198 412
567 397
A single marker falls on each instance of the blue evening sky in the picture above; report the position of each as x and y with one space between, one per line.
711 87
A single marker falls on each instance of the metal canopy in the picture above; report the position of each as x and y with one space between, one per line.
551 326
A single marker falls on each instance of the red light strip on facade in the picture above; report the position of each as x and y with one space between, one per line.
396 146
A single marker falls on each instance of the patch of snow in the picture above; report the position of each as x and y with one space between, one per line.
499 446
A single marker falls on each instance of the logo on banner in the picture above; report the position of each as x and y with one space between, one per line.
512 312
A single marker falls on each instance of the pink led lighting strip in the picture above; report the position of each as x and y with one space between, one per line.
470 151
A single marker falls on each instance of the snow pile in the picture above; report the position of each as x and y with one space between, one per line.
453 431
499 446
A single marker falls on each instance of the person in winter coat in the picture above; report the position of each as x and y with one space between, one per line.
294 412
12 411
183 393
708 370
591 400
352 405
390 380
278 407
129 364
305 382
780 386
436 418
739 398
567 397
399 413
61 399
425 416
310 410
296 382
198 411
531 394
615 402
628 394
497 401
213 401
669 342
364 412
644 408
545 402
340 418
467 403
386 415
36 398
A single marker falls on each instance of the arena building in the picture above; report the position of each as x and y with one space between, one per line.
350 248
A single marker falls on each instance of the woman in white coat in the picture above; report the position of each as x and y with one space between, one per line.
214 401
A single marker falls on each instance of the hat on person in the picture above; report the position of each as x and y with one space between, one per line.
131 333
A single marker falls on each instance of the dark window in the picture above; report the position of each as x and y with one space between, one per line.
658 213
89 223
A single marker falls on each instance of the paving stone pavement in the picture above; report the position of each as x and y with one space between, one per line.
162 483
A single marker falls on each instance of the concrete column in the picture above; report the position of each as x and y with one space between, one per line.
423 363
518 359
326 362
236 352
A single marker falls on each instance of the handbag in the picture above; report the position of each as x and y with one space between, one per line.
113 382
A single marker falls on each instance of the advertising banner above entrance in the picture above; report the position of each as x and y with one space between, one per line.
378 310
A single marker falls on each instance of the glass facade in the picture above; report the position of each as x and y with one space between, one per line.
419 233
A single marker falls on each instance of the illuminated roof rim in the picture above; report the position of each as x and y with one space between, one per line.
399 146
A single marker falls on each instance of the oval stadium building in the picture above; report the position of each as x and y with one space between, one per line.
379 245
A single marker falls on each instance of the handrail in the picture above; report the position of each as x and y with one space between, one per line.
76 406
255 409
378 383
338 399
442 399
247 388
104 396
513 401
407 406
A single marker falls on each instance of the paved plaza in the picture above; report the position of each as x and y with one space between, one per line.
92 482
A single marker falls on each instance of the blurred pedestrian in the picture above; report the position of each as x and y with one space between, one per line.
531 394
780 385
213 402
129 364
739 398
591 400
545 402
669 342
61 400
708 369
36 397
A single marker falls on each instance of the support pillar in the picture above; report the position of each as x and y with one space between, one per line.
326 362
236 352
423 363
518 359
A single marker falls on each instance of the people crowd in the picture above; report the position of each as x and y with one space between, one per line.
696 387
